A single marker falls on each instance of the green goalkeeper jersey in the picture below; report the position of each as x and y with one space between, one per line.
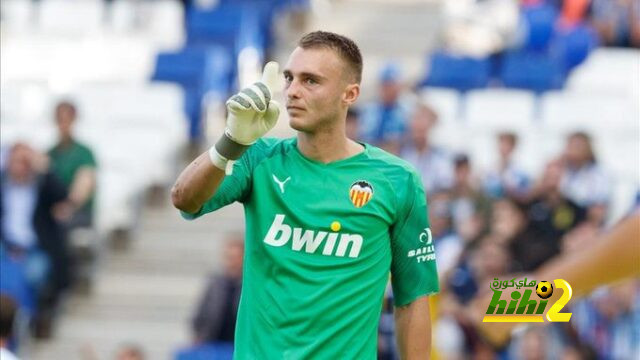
321 240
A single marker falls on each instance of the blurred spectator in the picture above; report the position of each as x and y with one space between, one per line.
584 181
215 319
482 261
550 215
74 164
574 11
480 28
384 121
130 352
8 309
506 178
352 124
30 234
609 319
431 162
447 243
617 21
468 199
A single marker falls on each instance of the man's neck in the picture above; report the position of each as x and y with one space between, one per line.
327 145
4 343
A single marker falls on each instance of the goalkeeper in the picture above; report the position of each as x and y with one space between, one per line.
327 218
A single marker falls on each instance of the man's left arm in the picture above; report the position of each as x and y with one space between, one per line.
413 329
413 272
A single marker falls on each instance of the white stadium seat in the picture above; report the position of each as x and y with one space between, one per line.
445 102
502 109
608 71
71 17
16 15
607 115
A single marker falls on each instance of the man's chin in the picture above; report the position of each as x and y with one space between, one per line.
297 123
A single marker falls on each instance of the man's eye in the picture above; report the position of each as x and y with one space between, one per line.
311 81
287 78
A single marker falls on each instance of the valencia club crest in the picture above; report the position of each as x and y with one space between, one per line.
360 193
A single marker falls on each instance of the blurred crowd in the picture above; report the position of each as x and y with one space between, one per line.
46 222
500 220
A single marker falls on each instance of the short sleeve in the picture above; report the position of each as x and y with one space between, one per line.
88 159
413 265
234 187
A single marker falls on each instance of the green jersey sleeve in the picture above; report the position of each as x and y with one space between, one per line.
413 265
237 186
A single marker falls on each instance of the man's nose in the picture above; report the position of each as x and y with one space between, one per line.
293 90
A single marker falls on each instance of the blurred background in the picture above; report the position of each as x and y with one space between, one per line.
522 117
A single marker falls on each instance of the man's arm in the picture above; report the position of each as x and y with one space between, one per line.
615 256
251 114
413 329
196 184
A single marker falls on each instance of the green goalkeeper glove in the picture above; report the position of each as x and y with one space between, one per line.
251 114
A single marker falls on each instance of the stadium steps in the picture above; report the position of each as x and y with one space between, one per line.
145 294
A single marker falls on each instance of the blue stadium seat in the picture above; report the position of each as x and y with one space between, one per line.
574 44
461 73
224 24
199 70
531 70
206 352
540 22
218 26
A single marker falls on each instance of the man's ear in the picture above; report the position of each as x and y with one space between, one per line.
351 93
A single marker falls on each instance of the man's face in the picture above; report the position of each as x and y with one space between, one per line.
64 120
421 124
19 165
390 92
316 81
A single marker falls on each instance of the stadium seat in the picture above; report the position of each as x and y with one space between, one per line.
573 45
199 71
166 23
71 17
17 15
461 73
607 71
566 111
219 26
536 71
540 22
445 102
154 111
499 108
122 15
206 352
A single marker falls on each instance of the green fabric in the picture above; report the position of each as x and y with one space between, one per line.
311 291
66 160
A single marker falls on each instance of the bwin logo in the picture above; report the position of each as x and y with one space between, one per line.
280 233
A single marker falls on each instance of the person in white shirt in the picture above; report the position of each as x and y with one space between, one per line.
583 181
8 310
506 178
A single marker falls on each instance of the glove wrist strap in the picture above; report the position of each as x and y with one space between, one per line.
218 160
229 148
